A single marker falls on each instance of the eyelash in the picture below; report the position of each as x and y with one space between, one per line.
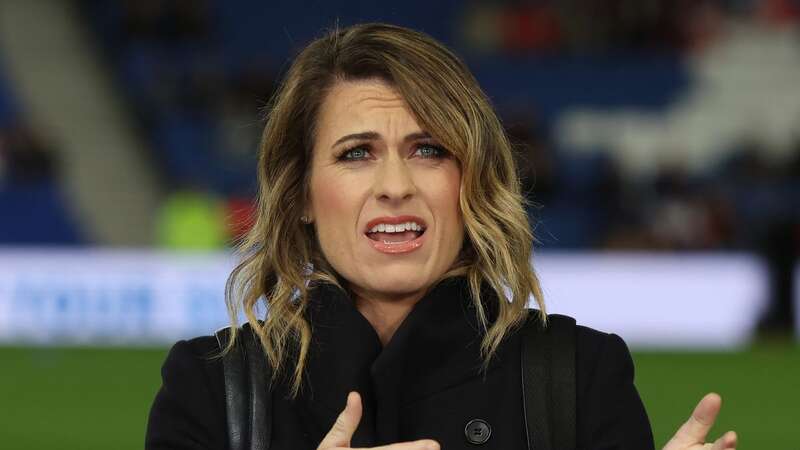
441 153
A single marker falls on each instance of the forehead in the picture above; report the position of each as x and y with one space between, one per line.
350 105
374 92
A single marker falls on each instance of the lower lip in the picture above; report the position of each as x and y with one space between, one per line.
398 247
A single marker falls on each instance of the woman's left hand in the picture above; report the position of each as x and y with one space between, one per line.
692 434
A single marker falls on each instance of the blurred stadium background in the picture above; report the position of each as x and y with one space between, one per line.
658 140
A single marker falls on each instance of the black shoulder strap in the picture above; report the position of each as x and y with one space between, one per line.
247 396
548 382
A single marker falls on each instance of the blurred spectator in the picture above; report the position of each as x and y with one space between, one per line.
26 155
780 248
518 27
32 203
242 107
166 21
530 26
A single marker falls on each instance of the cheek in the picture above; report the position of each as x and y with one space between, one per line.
335 205
454 192
326 198
446 191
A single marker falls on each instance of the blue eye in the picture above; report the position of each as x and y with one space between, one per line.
430 151
353 154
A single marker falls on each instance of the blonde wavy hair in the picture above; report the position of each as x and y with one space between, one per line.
281 258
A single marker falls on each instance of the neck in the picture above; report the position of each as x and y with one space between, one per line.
384 313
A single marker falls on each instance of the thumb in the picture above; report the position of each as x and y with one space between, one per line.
695 430
345 425
726 442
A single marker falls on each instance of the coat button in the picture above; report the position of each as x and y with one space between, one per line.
477 431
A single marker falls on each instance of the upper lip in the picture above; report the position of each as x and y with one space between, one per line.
394 220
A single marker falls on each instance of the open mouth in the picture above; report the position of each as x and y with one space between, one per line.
394 233
395 237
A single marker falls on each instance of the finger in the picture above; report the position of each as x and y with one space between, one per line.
424 444
342 430
695 430
726 442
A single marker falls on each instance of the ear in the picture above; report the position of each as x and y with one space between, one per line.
307 218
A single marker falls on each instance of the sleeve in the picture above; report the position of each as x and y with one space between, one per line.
610 413
189 410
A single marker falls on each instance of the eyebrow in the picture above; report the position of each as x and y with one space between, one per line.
372 135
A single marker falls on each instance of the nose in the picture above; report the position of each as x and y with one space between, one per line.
393 181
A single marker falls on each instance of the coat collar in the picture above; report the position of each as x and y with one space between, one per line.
436 347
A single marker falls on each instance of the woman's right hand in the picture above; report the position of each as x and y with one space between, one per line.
338 438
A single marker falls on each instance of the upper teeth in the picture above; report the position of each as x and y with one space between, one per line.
395 228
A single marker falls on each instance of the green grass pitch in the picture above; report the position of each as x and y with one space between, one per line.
95 398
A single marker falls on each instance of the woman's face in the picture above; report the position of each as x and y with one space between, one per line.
383 195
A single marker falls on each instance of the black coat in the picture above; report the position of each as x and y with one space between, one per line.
425 383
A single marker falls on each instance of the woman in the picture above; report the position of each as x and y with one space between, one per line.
390 228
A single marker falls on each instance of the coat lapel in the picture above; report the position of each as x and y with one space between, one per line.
344 345
435 348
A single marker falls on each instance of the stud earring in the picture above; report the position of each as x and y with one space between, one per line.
305 219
